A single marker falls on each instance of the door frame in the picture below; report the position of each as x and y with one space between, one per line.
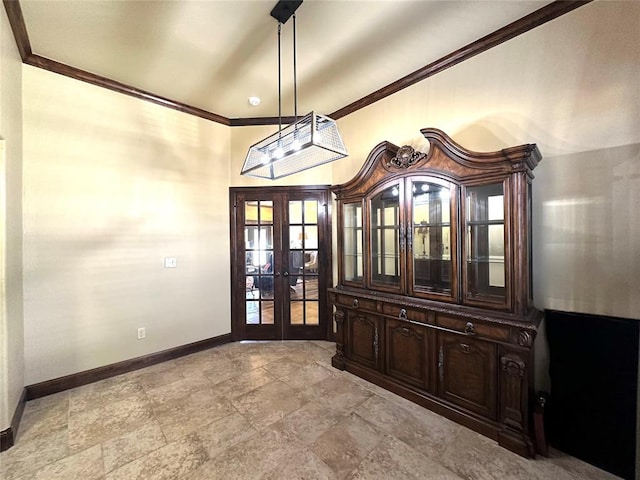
237 264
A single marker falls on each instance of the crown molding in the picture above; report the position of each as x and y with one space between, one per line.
539 17
523 25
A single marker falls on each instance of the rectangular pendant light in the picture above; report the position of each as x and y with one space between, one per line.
312 141
309 142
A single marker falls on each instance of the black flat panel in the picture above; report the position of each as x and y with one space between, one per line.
591 413
284 9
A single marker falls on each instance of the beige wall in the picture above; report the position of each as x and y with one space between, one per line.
11 321
113 185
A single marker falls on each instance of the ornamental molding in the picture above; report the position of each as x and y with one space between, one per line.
525 339
512 365
406 157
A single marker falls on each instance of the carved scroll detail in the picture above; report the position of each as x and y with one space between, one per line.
338 317
525 339
406 157
512 365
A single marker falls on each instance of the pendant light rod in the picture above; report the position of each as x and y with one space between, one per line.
295 81
279 80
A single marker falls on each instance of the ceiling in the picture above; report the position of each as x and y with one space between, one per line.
213 55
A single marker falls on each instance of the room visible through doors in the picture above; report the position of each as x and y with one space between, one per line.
281 244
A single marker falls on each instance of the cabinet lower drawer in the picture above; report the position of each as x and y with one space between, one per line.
405 313
474 328
350 301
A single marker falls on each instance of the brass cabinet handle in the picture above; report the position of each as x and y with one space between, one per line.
403 314
470 329
355 303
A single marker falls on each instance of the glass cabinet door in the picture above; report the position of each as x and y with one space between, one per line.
385 237
432 236
485 243
353 242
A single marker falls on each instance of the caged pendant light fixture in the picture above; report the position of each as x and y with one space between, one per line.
309 142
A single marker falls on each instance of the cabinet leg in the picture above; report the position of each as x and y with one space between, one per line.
338 361
517 442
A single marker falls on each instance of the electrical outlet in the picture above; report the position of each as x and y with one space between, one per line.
141 333
170 262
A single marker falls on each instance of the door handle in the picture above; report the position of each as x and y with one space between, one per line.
286 274
277 274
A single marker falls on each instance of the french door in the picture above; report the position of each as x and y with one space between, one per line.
280 262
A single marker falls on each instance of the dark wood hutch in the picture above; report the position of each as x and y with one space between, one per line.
434 300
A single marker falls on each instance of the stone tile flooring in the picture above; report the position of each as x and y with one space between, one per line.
269 410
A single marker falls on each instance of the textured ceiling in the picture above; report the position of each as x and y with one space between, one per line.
214 54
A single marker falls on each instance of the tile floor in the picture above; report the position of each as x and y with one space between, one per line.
273 411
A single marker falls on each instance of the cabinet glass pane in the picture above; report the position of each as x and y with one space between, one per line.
352 242
385 235
485 241
431 236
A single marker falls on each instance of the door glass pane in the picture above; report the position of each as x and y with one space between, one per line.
258 211
253 312
311 313
303 263
258 239
432 236
303 306
311 236
311 212
295 212
296 266
295 236
352 242
266 313
385 235
485 241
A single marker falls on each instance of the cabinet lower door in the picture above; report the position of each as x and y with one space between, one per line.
363 338
467 373
407 353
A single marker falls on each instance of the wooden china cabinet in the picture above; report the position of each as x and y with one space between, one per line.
434 299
